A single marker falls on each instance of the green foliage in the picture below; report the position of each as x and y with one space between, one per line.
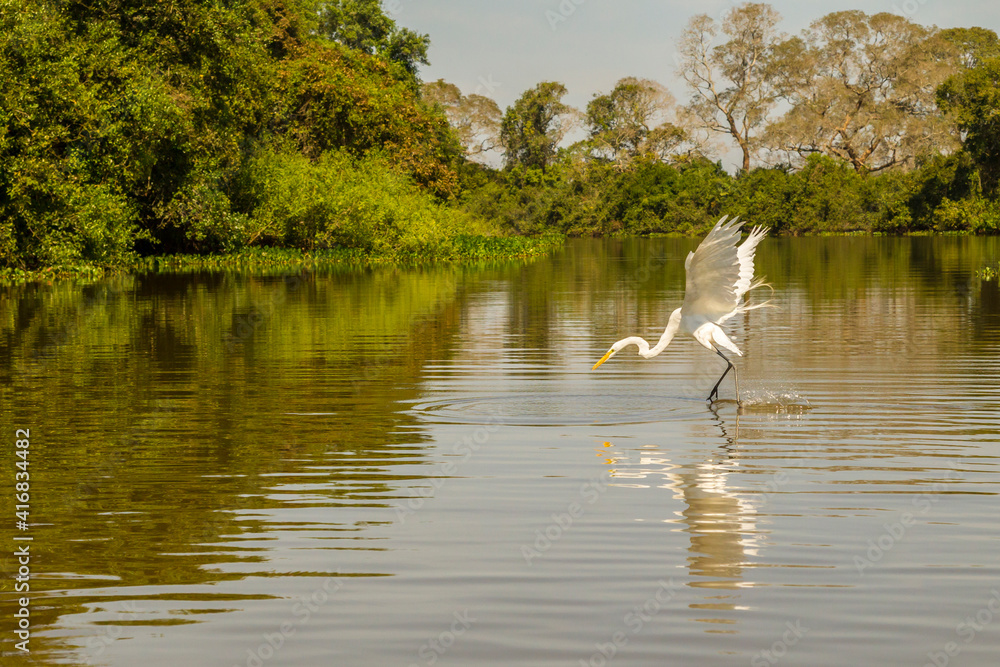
891 201
57 205
341 201
655 197
968 215
336 99
941 177
768 197
462 247
363 26
825 195
468 246
975 45
532 128
134 126
629 122
972 98
581 198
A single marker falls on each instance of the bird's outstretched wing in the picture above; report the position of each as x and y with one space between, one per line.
719 273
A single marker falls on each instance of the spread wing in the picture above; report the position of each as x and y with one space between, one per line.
719 273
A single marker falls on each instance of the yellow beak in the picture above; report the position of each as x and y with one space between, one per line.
603 359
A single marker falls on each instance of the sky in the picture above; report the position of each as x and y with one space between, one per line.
500 48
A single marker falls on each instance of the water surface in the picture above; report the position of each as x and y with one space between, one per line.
399 466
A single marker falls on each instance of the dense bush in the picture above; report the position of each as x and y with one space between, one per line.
341 201
581 198
974 215
826 195
653 197
133 125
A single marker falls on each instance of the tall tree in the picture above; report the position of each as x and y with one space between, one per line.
975 45
632 120
733 83
534 125
475 118
861 88
363 25
972 99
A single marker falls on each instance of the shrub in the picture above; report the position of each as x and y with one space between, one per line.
342 201
971 215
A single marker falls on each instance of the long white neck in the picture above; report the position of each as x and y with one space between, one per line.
668 335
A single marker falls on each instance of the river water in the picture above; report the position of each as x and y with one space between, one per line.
417 466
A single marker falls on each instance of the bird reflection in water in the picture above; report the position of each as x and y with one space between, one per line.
721 524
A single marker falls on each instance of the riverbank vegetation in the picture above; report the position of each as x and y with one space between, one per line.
136 129
863 123
132 128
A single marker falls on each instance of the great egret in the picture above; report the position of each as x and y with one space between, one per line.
718 275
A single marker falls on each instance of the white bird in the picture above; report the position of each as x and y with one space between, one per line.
718 275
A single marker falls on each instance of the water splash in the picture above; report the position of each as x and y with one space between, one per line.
777 401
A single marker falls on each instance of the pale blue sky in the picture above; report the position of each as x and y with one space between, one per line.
503 47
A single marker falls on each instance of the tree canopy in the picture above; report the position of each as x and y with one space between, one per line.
972 99
475 118
632 120
534 125
134 125
861 88
364 26
733 84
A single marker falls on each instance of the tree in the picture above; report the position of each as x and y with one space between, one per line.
733 84
362 25
534 125
975 45
475 118
631 121
861 88
127 128
972 99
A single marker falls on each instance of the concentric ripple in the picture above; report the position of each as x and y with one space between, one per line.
557 409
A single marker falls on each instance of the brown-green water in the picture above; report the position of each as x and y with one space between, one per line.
418 467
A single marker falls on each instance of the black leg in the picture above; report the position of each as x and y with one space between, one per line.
729 366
